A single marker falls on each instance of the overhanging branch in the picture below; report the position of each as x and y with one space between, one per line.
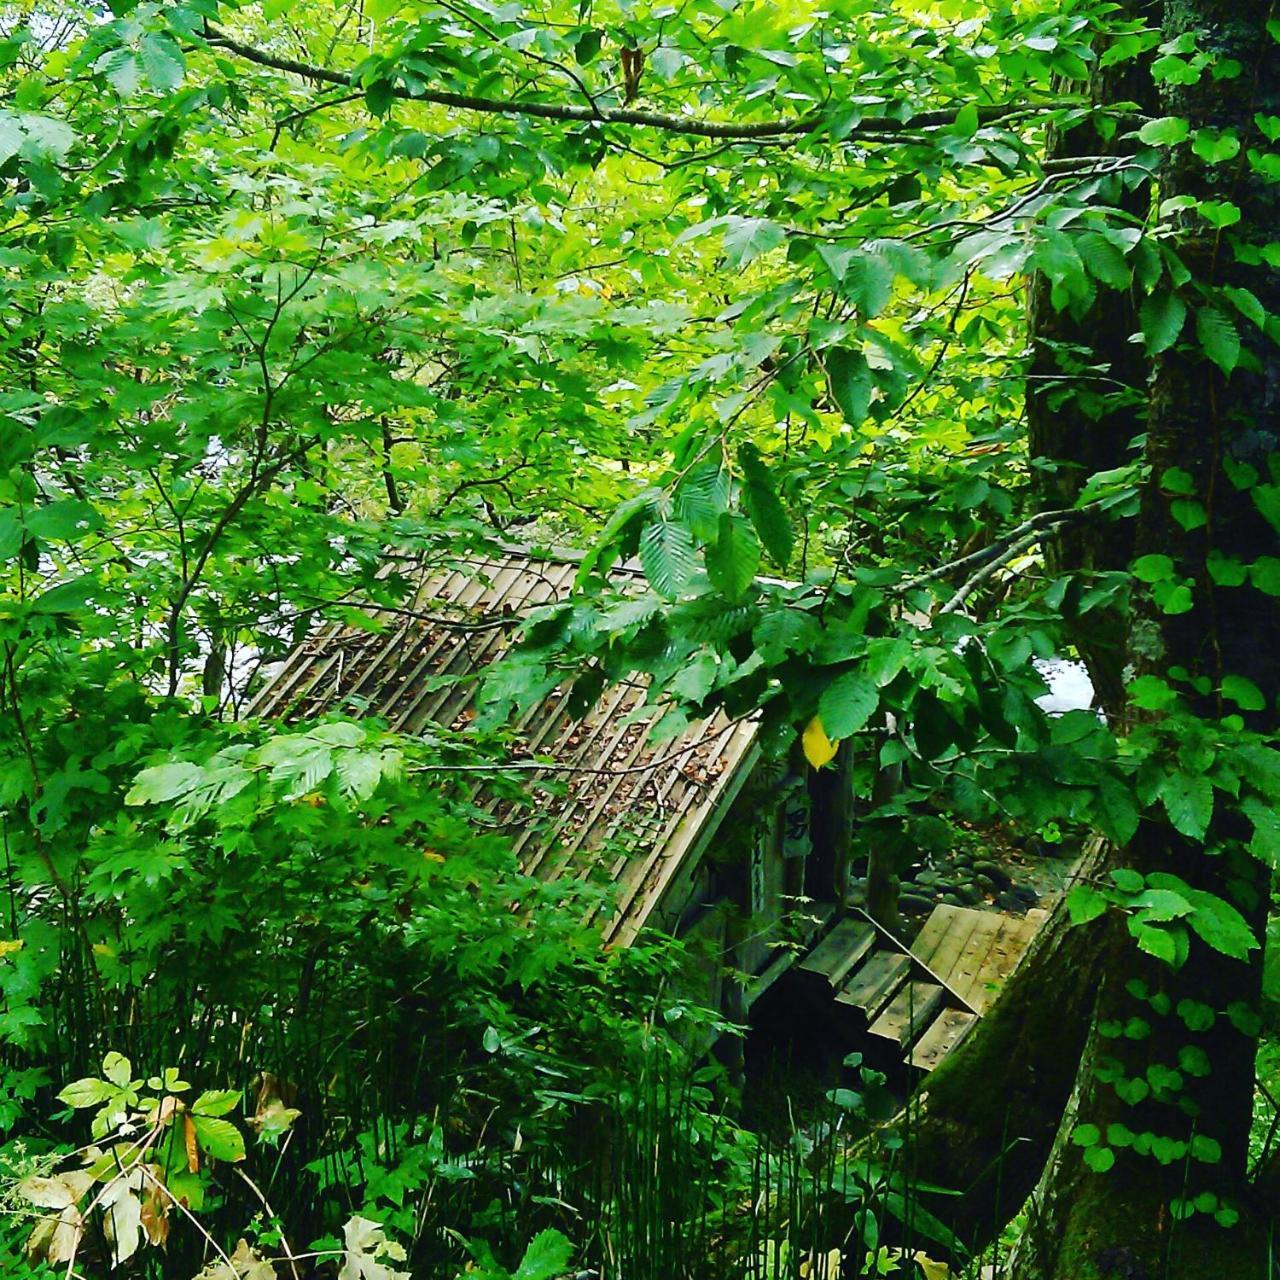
600 114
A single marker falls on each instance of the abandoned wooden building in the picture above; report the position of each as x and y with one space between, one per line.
698 836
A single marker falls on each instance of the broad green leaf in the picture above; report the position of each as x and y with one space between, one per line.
164 782
848 703
88 1092
851 384
734 556
219 1138
1243 692
1165 131
1162 316
1188 800
216 1102
1219 337
118 1069
667 557
122 70
546 1258
745 239
765 508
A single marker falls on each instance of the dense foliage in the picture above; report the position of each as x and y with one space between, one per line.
902 344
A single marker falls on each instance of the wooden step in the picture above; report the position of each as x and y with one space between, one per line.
931 936
873 985
908 1013
837 954
946 1031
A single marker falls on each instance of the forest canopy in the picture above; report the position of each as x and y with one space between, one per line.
901 349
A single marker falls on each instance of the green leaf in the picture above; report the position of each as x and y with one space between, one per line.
1244 693
850 377
1164 132
1161 316
164 782
1213 147
1264 573
1153 568
847 704
745 239
1085 903
1086 1135
1219 337
219 1138
216 1102
122 70
1220 926
733 558
1099 1159
118 1069
1265 843
667 557
765 507
1115 811
1188 800
546 1258
88 1092
162 62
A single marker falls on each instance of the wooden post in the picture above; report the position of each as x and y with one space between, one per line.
882 870
831 828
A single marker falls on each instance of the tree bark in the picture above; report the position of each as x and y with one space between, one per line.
984 1121
1089 1225
1086 394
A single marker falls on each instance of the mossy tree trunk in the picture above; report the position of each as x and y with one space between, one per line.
1087 382
1165 1095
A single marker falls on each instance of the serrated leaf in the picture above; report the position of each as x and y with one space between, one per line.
850 377
819 750
546 1257
1265 843
164 782
219 1138
733 558
1219 337
118 1069
1161 315
667 557
1115 811
216 1102
1188 800
88 1092
1220 926
162 62
745 239
122 70
847 703
765 508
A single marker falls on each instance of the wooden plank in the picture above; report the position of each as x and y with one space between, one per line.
947 1030
908 1013
936 928
835 956
964 976
1007 950
961 923
875 983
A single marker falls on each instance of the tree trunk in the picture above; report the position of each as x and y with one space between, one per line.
1086 394
1175 1138
984 1121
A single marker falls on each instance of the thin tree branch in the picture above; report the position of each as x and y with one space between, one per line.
690 126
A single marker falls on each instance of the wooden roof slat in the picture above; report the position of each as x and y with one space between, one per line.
630 794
